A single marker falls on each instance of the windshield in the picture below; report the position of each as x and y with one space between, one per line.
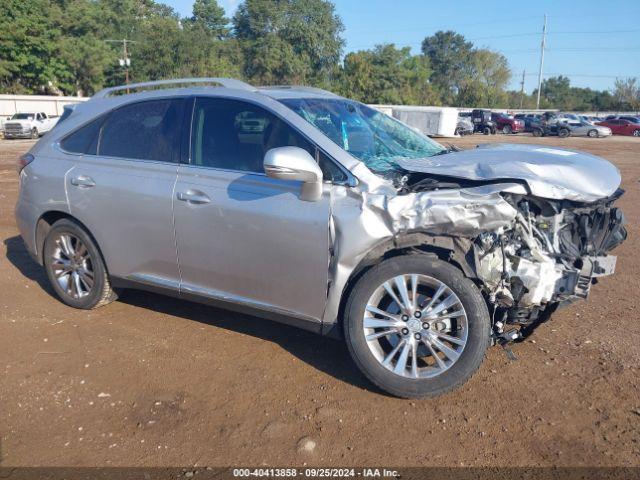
372 137
22 116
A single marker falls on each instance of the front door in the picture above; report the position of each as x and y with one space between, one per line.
243 237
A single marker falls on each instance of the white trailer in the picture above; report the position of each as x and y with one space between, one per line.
432 121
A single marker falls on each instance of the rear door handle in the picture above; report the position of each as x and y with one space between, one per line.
193 196
83 181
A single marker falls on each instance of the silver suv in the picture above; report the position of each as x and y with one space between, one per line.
300 206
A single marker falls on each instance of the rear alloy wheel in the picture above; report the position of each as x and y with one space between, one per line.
564 133
507 129
75 267
416 326
34 133
593 133
636 133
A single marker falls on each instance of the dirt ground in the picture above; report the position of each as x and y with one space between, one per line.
153 381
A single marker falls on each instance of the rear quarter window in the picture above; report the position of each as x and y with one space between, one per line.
83 140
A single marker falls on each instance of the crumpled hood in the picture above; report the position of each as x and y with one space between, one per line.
550 172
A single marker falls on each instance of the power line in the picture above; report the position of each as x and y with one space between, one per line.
512 35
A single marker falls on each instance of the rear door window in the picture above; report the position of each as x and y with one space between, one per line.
143 131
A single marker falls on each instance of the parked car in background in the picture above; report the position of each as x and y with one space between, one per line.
590 119
482 121
631 118
464 126
506 123
28 125
328 215
529 119
586 129
546 129
621 126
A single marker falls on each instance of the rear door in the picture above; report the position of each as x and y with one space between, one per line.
121 188
241 236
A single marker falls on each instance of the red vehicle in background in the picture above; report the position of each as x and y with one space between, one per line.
623 126
506 123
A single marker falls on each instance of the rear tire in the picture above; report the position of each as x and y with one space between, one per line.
464 320
75 267
636 133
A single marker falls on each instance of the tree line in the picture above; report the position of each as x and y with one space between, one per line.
74 47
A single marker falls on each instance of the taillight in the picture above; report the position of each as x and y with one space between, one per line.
25 160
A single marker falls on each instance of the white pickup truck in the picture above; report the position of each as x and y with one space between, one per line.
28 125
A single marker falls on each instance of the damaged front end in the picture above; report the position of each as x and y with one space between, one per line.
550 256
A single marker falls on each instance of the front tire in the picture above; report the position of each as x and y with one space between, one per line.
564 133
593 133
416 326
75 267
636 133
34 133
507 129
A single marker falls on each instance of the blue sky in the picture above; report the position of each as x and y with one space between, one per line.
591 41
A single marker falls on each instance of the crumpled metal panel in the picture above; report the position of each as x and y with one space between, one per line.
554 173
360 221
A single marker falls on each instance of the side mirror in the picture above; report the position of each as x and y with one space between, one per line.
294 163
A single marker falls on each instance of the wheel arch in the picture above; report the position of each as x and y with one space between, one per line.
44 224
454 250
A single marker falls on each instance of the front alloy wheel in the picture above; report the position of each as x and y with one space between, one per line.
416 326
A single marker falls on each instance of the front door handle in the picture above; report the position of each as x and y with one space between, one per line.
83 181
193 196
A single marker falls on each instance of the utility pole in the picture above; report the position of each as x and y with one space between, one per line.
522 89
125 61
544 40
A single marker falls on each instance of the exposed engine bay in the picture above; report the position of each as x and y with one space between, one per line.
550 255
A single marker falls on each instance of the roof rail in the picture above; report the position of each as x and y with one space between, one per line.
225 82
301 88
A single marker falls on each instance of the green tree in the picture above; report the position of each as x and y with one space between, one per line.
386 74
211 16
555 92
486 77
289 41
82 46
449 55
627 93
29 47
